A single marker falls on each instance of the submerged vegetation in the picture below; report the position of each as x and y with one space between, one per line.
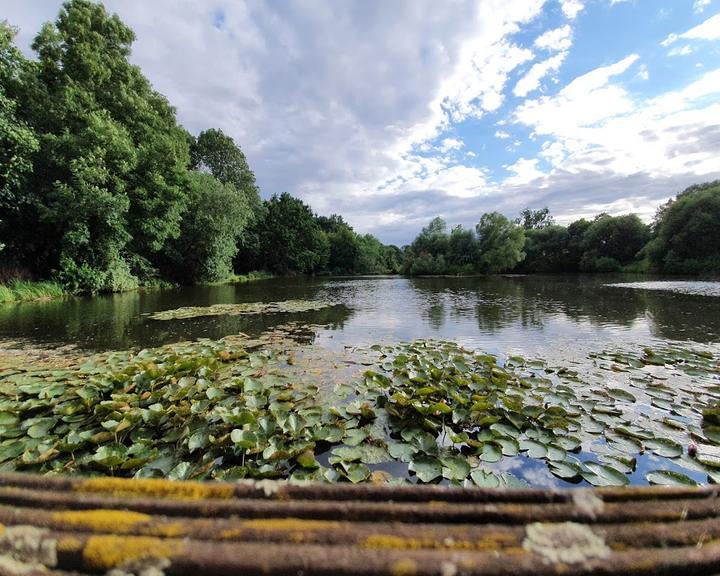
425 411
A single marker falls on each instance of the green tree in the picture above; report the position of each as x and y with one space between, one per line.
500 243
611 242
546 250
209 232
215 152
462 250
108 185
687 232
290 237
18 141
433 239
534 219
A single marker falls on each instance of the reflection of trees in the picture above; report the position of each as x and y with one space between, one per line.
530 301
682 316
117 321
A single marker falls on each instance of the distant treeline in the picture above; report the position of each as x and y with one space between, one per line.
684 238
102 190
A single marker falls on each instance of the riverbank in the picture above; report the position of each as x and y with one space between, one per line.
26 291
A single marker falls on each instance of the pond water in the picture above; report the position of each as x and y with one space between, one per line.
549 316
594 334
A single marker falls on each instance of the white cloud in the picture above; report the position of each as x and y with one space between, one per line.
449 144
700 5
613 2
708 30
555 39
524 171
643 72
680 50
502 135
571 8
531 80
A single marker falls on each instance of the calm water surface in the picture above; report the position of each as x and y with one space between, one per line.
548 316
558 318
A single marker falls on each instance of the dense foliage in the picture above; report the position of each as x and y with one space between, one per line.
687 233
684 239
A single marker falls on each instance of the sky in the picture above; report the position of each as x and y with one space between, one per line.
392 113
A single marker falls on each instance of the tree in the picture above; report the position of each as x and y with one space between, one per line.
687 232
546 250
290 237
611 242
209 232
18 141
462 248
433 239
500 243
534 219
109 180
215 152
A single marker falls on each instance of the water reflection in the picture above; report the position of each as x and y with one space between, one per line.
498 313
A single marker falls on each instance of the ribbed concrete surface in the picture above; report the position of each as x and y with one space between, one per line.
150 527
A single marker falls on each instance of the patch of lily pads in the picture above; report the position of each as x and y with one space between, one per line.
285 306
425 411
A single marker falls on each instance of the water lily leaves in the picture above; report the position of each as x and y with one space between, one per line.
565 470
355 436
485 478
356 472
244 438
39 427
426 468
669 478
455 468
306 459
603 475
665 447
533 448
508 446
286 306
620 394
366 453
492 452
110 455
402 451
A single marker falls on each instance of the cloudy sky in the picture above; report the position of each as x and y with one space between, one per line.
391 113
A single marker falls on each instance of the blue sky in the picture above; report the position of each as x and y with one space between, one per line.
391 113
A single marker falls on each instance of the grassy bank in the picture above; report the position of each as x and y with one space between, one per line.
24 291
242 278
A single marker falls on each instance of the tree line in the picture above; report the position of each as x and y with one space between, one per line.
101 189
684 238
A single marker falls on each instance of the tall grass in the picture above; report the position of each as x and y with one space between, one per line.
24 290
241 278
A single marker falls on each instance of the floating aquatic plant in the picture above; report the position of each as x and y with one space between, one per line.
287 306
427 411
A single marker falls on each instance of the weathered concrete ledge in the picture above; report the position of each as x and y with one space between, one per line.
63 525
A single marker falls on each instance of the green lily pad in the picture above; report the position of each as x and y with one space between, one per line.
426 468
669 478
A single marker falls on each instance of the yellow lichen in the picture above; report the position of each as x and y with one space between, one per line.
117 521
155 488
406 567
289 524
391 541
169 530
2 528
103 553
69 544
